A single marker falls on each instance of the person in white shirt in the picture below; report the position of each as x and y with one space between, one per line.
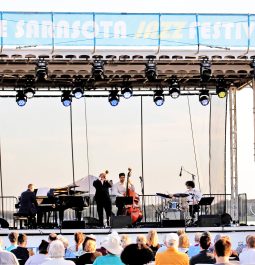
248 256
193 198
8 258
119 189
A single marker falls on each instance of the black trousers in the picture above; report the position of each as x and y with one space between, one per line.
193 209
101 206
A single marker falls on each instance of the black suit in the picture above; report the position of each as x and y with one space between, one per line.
203 256
103 200
28 205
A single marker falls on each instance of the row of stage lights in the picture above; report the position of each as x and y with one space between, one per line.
77 90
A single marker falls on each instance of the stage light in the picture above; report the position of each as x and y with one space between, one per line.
204 97
98 69
66 98
21 98
158 97
174 88
221 88
127 90
29 90
78 88
151 70
113 98
205 70
41 69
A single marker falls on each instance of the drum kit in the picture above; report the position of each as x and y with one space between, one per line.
175 206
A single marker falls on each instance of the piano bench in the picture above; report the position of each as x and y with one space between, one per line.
20 219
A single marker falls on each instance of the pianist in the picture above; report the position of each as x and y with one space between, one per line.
28 205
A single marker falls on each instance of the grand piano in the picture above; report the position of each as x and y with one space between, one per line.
53 202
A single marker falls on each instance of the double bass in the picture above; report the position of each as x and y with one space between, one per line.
134 209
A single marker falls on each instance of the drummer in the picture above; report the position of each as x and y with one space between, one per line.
194 196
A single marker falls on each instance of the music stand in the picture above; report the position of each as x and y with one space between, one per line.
121 201
205 201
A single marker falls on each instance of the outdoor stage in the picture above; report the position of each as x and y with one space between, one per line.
236 233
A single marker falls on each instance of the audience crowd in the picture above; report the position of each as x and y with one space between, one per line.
118 249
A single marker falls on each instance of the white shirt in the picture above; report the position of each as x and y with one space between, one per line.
119 189
194 196
248 256
37 259
59 261
8 258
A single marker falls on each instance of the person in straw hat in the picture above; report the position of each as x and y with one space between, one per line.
113 247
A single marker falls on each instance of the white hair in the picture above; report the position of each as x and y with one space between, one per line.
64 240
56 249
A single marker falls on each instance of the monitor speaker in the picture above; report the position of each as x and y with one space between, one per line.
4 223
121 221
73 224
173 223
209 220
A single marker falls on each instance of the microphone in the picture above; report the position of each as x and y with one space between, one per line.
180 172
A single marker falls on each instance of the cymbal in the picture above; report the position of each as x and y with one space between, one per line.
165 196
180 195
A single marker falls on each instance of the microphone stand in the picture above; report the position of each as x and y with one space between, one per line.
192 175
143 203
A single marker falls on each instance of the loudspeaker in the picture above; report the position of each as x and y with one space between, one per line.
73 224
209 220
226 219
173 223
4 223
121 221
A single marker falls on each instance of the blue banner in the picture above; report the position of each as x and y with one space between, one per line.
126 30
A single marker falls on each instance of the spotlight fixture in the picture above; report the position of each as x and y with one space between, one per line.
29 90
78 88
159 98
151 70
66 98
221 88
98 69
41 69
127 90
21 98
204 97
205 70
252 65
113 98
174 88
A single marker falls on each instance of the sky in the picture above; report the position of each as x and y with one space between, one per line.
246 166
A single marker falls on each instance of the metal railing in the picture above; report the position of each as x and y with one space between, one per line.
155 207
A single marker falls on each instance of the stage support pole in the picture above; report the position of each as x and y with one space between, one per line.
233 153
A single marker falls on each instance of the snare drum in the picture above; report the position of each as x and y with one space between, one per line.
174 205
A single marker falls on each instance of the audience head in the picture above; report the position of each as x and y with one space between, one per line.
184 241
172 240
56 249
79 237
43 247
251 241
197 237
125 240
205 242
22 240
217 237
152 238
88 237
52 237
112 244
90 246
141 239
207 233
64 240
222 248
13 237
180 232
